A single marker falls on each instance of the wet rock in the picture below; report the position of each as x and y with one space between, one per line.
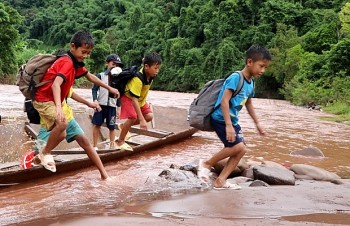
242 165
177 175
239 180
274 175
248 173
259 183
190 168
307 172
309 152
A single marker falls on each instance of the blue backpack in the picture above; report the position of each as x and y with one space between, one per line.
201 108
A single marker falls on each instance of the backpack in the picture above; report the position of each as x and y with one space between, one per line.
29 75
201 108
120 80
32 114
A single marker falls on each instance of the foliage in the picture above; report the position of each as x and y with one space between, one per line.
199 40
9 39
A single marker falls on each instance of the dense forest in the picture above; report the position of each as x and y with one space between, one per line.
199 40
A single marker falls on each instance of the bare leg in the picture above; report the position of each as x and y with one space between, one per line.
234 153
95 132
83 142
111 138
125 129
57 134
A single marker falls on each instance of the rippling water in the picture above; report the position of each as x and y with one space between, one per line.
136 178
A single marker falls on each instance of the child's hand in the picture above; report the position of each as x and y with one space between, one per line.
143 124
261 130
230 133
95 105
114 91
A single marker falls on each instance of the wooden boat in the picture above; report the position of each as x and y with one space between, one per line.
75 159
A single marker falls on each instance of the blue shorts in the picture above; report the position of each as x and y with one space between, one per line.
73 129
108 113
220 129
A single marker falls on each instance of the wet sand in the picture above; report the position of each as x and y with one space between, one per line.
306 203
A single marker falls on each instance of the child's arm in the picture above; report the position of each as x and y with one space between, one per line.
225 107
135 103
251 111
79 99
92 78
56 90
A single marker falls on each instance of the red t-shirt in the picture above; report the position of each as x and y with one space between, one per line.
66 67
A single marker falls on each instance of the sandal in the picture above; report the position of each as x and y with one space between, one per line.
124 147
45 160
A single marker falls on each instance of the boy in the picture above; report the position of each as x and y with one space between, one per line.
108 104
134 106
225 118
49 98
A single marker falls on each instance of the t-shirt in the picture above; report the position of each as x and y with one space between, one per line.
237 102
69 69
136 88
102 94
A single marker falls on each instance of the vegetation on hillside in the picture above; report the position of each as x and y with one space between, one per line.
199 40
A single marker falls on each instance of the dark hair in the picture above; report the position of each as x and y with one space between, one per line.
152 58
81 38
257 52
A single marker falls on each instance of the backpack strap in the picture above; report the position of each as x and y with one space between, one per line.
238 89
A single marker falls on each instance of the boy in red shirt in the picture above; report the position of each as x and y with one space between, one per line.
49 98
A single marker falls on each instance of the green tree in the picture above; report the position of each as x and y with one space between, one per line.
9 37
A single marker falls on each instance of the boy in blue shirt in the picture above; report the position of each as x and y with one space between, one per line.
225 118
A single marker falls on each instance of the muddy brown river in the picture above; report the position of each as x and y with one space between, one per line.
81 198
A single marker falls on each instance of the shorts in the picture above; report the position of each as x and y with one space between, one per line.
73 129
128 110
220 129
47 112
108 113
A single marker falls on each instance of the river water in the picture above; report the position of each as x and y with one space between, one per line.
136 180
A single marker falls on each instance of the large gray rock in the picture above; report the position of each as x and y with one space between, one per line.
309 152
177 175
274 175
307 172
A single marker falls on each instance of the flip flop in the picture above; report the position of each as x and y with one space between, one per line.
45 160
228 186
124 147
203 173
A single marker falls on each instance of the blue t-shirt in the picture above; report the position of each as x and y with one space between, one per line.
237 102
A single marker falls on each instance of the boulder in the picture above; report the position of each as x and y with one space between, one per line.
307 172
309 152
274 175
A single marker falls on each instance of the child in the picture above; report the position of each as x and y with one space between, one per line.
108 104
134 106
225 118
49 98
72 133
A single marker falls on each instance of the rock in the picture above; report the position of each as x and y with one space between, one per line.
258 183
239 180
307 172
309 152
274 175
190 168
177 175
219 166
248 173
